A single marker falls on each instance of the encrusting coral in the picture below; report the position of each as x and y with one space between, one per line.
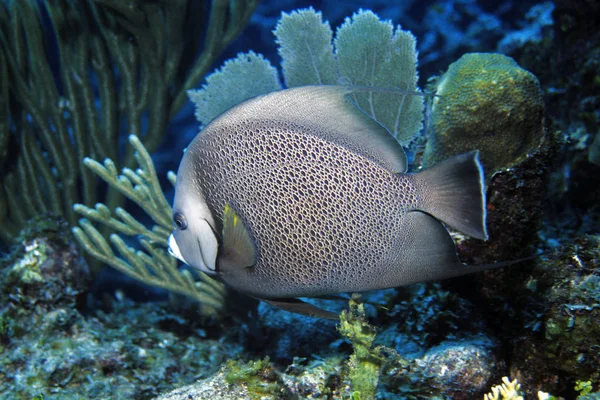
486 102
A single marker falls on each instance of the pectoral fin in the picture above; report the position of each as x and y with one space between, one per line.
300 307
238 249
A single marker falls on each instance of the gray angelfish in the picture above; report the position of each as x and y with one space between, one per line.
299 194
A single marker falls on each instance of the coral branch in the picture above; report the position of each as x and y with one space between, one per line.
151 265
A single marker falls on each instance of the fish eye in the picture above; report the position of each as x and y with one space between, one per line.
180 221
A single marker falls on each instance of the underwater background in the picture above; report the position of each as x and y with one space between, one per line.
92 305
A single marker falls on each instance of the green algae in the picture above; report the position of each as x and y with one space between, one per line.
366 362
583 387
124 354
364 365
260 377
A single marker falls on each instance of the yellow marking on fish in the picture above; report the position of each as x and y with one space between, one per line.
229 214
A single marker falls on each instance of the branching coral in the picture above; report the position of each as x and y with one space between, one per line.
152 265
511 390
75 75
508 390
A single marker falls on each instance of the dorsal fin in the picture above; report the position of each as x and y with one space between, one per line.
238 250
330 114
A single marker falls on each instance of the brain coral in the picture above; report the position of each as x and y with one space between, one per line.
486 102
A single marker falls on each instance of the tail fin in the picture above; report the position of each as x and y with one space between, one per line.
453 191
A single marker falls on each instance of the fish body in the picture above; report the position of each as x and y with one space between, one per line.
299 194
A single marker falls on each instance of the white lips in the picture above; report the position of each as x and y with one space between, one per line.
207 247
174 249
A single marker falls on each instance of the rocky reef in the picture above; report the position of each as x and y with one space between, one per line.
55 346
528 330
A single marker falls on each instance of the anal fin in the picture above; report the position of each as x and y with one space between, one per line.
301 307
429 252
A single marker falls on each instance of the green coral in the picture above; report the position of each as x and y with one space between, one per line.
152 265
486 102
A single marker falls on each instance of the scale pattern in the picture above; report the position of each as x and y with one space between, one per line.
323 218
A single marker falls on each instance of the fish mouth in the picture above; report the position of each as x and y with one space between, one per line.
174 249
